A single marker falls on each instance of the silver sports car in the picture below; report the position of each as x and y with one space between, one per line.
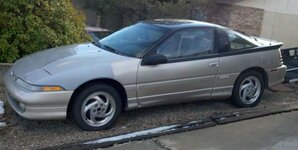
150 63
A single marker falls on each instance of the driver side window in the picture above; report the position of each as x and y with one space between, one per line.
187 43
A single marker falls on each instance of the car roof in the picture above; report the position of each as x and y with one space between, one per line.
179 23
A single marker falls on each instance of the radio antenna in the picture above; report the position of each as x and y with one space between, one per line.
274 21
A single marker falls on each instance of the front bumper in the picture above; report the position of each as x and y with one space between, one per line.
36 105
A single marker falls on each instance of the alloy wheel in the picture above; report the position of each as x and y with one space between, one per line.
250 90
98 109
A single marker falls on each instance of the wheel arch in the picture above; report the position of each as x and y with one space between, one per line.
259 70
114 83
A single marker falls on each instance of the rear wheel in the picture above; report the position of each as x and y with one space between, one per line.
248 89
97 107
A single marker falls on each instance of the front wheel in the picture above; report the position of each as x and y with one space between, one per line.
248 89
97 107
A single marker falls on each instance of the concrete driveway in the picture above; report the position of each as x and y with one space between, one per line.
274 132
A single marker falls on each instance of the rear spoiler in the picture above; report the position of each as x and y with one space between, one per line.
267 42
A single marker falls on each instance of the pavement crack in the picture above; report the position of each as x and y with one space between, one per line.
160 144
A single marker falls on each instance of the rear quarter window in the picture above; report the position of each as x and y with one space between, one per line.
238 41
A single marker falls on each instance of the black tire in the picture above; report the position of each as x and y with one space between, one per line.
236 98
85 93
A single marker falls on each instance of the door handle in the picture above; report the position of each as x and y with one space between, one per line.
215 64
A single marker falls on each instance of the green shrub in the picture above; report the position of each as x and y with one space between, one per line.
27 26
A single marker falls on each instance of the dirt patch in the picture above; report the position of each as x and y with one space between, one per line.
25 134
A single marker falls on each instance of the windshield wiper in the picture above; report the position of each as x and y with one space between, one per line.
97 43
109 48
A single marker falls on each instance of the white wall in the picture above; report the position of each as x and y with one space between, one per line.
280 19
280 6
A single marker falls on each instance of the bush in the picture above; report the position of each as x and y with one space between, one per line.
27 26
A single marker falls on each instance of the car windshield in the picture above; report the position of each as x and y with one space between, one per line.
133 40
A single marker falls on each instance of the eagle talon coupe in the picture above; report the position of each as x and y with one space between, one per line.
153 62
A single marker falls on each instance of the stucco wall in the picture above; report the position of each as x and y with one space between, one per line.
279 6
280 20
282 27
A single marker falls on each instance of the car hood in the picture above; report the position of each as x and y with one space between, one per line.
56 60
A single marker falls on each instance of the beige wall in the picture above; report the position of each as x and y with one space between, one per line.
280 20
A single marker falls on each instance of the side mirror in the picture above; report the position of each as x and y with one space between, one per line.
154 59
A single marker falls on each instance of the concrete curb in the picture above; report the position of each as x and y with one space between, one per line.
240 116
3 69
214 120
171 129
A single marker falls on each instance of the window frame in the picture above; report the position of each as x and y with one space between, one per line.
214 52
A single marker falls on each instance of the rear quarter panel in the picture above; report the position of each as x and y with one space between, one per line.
232 66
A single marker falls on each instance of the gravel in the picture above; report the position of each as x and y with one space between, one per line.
2 110
1 104
25 134
3 124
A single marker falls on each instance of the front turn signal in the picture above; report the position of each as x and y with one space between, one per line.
52 88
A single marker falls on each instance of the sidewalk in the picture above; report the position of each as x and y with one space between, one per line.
267 133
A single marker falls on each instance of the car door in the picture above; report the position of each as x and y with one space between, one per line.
188 74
